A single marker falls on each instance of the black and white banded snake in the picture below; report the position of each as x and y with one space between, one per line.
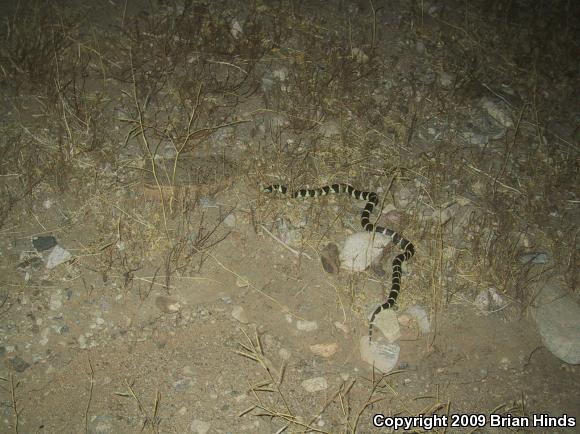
372 200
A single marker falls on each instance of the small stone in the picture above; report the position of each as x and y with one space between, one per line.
498 110
236 29
167 304
239 314
284 354
43 243
330 258
200 426
324 350
359 56
55 300
57 256
306 326
558 320
242 282
230 221
382 357
315 384
386 322
420 315
342 327
446 79
535 258
19 364
362 249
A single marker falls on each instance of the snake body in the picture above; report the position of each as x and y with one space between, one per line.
372 200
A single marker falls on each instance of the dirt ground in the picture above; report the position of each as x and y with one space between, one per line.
139 135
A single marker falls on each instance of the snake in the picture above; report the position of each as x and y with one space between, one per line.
372 200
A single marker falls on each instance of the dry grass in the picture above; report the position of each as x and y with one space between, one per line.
96 115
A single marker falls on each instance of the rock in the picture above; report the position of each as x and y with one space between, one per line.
315 384
446 79
384 357
330 258
306 326
240 315
362 249
200 427
498 110
230 221
236 29
324 350
342 327
420 315
330 129
386 322
489 300
242 282
359 56
44 243
535 258
557 317
57 256
101 424
19 364
55 302
167 304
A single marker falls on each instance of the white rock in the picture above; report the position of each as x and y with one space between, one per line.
324 350
167 304
315 384
363 249
230 221
239 314
306 326
383 357
55 300
557 316
236 29
57 256
420 315
386 322
200 426
498 110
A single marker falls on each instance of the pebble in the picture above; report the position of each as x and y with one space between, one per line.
498 110
420 315
167 304
57 256
242 282
386 322
44 243
306 326
315 384
535 258
55 300
384 357
342 327
200 427
330 258
19 364
230 221
362 249
284 354
239 314
324 350
557 317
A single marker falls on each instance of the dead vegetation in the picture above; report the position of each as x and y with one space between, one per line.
102 119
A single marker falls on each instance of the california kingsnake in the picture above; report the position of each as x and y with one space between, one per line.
372 201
